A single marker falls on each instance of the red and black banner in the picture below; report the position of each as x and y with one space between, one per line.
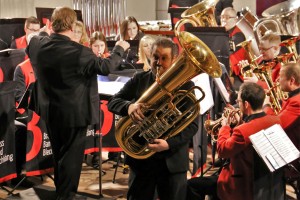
7 131
109 142
39 152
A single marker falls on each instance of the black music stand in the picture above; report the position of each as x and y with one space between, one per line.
101 97
217 39
104 96
11 29
177 7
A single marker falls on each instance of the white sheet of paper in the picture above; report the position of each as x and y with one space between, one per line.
222 89
202 80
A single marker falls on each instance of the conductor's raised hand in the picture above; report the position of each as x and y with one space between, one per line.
125 45
135 112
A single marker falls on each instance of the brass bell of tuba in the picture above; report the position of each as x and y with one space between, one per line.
163 116
201 14
282 18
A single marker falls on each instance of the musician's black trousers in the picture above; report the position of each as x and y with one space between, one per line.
198 187
155 179
68 151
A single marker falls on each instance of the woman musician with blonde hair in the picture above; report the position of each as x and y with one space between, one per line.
289 80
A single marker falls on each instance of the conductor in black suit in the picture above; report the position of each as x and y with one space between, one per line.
67 94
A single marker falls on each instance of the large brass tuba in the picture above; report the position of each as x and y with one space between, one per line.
164 119
282 18
200 14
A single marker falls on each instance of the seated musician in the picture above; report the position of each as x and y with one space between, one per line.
229 20
289 80
32 24
166 170
236 177
269 48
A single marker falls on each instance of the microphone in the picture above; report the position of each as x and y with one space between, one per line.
125 61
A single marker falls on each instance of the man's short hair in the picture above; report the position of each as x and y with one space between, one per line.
31 20
166 43
230 11
254 94
272 37
292 70
63 19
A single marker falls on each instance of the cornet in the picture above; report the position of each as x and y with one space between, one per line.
213 127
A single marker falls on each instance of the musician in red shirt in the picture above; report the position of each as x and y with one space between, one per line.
32 24
269 48
289 81
229 20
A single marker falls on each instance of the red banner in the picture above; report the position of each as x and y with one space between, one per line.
39 152
109 142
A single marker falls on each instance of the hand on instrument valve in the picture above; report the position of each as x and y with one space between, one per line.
135 112
158 145
231 116
243 63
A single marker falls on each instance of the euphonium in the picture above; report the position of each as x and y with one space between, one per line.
201 14
213 127
282 18
284 58
163 116
290 44
247 71
265 71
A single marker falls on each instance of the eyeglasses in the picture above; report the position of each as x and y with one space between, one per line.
265 49
226 17
33 30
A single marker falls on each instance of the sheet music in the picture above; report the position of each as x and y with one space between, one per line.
109 88
283 144
265 149
274 147
202 80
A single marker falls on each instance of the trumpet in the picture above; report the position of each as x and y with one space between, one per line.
212 127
